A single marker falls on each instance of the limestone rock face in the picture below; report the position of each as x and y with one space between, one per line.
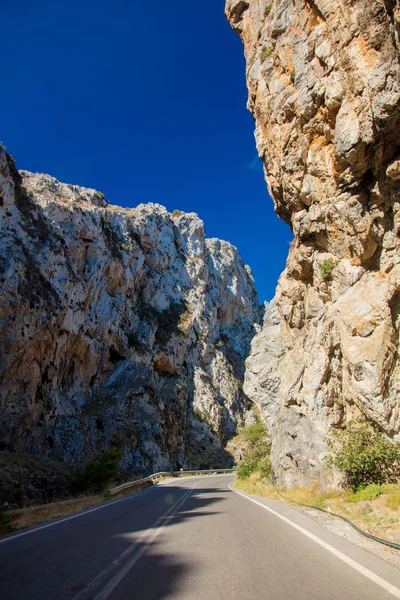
324 88
121 327
262 379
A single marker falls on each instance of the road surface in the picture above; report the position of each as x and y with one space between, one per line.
191 539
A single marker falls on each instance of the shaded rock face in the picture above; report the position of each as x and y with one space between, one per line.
121 327
324 88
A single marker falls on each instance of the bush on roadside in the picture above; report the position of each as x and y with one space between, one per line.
366 494
96 474
364 455
257 452
254 434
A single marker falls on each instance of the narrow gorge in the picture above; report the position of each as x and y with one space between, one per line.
128 328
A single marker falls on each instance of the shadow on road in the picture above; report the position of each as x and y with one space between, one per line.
75 551
158 573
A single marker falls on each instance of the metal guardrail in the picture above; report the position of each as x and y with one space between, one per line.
155 476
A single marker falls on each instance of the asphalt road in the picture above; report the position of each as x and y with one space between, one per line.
191 538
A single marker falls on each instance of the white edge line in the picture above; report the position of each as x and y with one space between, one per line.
363 570
86 511
119 576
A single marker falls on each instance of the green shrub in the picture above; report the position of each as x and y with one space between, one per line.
254 434
244 469
326 268
257 452
265 53
96 474
101 195
256 460
265 468
364 455
250 463
368 493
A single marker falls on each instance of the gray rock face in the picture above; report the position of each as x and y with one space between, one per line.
324 88
262 379
120 327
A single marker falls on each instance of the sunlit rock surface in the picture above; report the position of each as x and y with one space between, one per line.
324 88
262 378
121 327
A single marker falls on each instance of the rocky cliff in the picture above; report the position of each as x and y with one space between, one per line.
324 88
119 327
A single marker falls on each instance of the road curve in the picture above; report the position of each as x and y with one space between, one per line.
190 539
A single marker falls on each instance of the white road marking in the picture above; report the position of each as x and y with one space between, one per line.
144 544
388 587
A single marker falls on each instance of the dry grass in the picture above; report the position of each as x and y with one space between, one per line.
379 516
32 515
256 485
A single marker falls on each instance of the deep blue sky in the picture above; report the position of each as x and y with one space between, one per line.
145 101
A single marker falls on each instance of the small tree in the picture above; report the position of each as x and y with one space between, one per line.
326 268
97 474
364 455
257 452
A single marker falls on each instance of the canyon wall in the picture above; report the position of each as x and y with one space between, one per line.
119 327
324 89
